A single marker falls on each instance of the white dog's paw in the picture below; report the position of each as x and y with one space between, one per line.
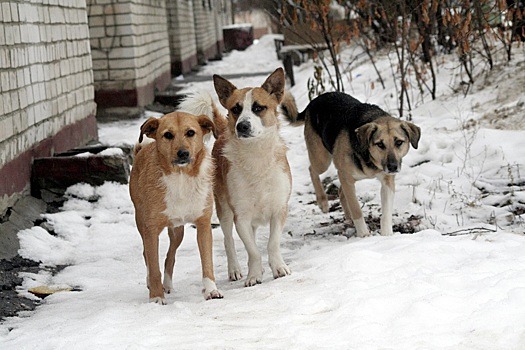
234 273
361 229
387 231
214 294
253 280
280 270
255 274
361 233
158 300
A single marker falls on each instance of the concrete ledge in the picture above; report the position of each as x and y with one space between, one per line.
15 175
21 216
138 97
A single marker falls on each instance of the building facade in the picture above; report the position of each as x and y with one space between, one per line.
46 87
64 61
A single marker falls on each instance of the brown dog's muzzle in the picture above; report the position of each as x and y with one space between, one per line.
183 157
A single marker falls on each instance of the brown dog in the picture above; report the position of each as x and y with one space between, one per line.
171 185
364 142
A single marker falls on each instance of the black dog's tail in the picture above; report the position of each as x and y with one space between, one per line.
289 109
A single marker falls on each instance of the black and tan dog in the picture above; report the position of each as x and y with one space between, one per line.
364 142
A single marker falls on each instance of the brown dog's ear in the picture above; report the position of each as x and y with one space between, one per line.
274 84
149 128
207 125
223 88
413 132
365 133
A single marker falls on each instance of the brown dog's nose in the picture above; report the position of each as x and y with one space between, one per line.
183 154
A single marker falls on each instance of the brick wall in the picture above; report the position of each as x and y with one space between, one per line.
223 12
205 29
46 91
130 48
181 29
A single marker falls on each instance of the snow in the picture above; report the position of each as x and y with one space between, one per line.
458 283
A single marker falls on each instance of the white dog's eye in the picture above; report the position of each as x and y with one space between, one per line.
190 133
256 108
168 135
236 110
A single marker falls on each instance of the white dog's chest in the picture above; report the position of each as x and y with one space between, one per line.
186 196
260 194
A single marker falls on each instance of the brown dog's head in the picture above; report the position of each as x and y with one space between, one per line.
251 110
178 136
388 140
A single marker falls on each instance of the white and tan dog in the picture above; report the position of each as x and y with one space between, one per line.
252 180
171 185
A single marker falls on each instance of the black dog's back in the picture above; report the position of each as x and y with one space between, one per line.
333 112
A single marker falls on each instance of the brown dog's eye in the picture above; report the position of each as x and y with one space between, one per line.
168 135
190 133
399 143
236 110
381 145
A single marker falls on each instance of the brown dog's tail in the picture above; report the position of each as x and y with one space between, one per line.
201 103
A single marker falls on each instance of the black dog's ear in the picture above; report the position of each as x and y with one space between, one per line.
365 133
413 132
223 88
149 128
207 125
274 84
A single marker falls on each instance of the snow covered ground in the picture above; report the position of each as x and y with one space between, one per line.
458 283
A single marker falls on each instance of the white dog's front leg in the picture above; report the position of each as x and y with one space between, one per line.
255 270
277 264
234 269
387 203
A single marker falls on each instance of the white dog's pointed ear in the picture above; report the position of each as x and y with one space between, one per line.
274 84
223 88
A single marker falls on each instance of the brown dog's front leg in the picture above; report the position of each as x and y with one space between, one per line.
151 252
205 243
176 235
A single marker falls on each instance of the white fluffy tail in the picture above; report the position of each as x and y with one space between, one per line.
197 103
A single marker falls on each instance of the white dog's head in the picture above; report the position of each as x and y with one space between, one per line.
251 110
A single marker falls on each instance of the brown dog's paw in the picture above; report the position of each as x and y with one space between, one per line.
158 300
214 294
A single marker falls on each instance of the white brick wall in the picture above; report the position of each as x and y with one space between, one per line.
129 42
205 31
181 27
46 80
